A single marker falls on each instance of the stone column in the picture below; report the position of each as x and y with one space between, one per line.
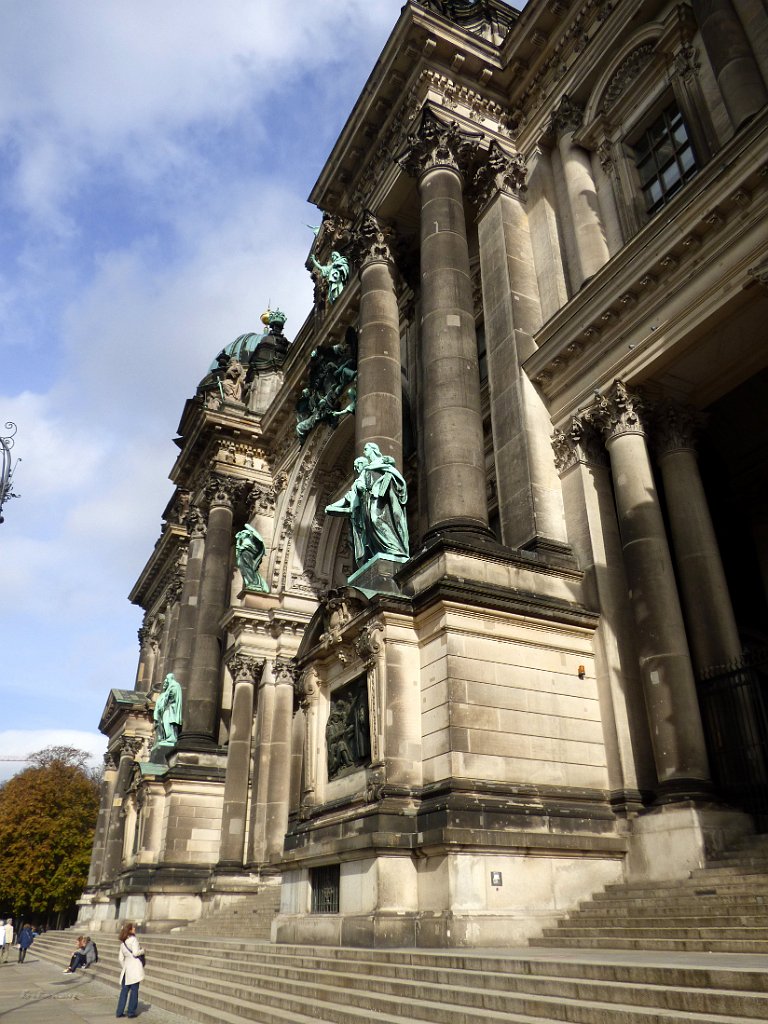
665 663
712 631
265 712
246 672
146 667
201 704
172 612
593 530
591 249
530 502
279 787
451 416
733 62
379 411
190 596
113 847
106 796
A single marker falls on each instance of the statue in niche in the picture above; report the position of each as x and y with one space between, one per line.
347 731
375 504
232 383
249 553
335 274
167 713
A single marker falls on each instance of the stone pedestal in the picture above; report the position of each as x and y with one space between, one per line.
377 575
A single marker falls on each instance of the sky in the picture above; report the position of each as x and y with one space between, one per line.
155 158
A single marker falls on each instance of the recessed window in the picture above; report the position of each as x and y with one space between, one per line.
665 159
325 884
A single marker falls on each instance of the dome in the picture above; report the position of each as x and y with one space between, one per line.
241 349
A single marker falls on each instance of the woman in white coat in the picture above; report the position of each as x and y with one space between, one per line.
132 971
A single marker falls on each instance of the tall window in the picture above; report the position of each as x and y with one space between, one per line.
665 158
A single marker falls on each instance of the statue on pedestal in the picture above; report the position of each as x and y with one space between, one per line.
167 713
334 273
249 553
375 504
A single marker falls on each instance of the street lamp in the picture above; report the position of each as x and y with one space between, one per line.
6 465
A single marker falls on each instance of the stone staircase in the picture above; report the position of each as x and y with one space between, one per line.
720 908
248 917
231 981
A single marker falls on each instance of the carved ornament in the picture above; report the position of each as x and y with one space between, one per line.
110 761
437 144
625 74
368 644
675 427
567 116
374 241
221 490
501 172
619 411
130 746
195 523
285 671
245 669
579 443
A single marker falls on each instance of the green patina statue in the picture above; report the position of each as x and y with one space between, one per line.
375 504
249 552
335 274
167 713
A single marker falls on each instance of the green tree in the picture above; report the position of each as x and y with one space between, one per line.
47 820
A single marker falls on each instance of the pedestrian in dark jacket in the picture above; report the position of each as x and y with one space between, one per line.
25 940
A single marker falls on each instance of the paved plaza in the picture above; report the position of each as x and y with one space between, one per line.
36 992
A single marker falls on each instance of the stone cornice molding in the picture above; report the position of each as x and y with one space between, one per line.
675 427
436 144
245 669
500 173
619 411
374 241
580 443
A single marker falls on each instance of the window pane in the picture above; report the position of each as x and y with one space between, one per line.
664 158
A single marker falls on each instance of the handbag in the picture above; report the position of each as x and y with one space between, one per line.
142 957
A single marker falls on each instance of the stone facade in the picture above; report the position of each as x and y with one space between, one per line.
540 290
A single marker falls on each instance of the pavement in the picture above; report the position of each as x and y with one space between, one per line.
36 992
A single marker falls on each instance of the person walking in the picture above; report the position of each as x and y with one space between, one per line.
26 938
3 943
131 957
8 936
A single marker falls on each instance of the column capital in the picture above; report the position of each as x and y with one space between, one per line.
436 143
130 746
110 761
245 669
675 427
221 490
285 671
261 499
619 411
374 241
502 172
566 117
580 442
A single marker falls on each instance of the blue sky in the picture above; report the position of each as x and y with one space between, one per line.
155 158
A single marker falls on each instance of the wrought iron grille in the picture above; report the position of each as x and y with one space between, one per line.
325 883
734 707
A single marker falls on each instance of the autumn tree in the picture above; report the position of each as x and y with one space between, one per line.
47 820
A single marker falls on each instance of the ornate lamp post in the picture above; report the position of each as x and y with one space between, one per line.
6 466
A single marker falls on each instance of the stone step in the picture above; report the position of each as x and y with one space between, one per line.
673 945
272 975
685 889
665 931
712 902
430 983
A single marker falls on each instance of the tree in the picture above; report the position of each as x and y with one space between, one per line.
47 820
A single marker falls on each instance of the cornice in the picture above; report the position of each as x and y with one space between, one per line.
161 561
691 231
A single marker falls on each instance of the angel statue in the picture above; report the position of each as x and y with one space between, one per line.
334 273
